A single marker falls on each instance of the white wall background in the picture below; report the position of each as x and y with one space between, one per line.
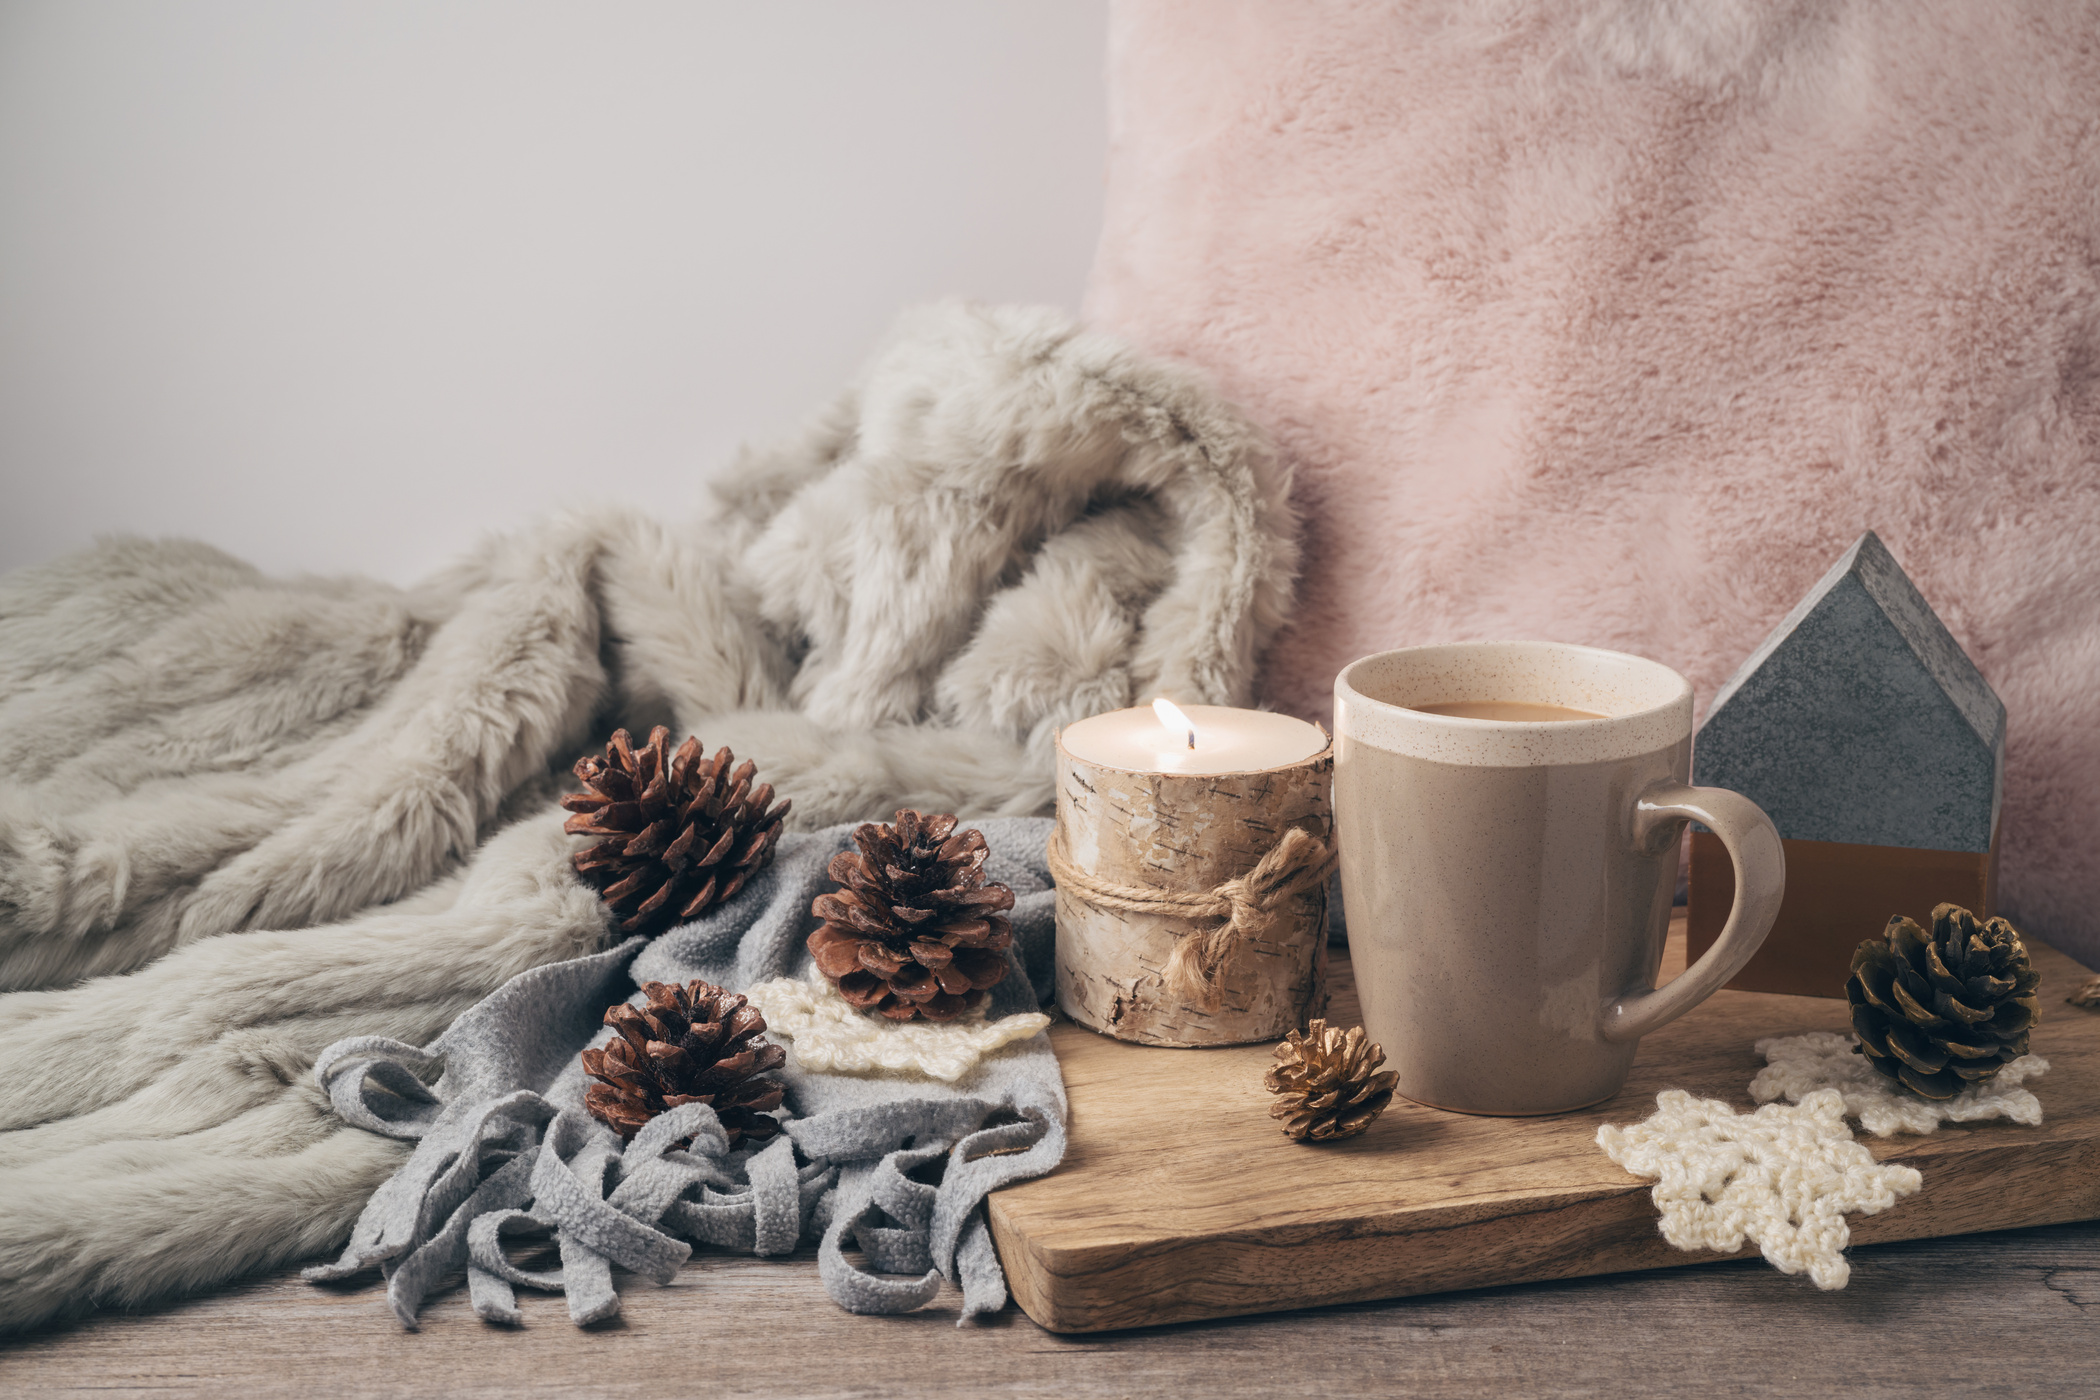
340 286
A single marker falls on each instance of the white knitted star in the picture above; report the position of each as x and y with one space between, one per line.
1798 1065
1784 1176
833 1036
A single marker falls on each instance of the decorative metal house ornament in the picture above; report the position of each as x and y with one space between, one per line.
1878 750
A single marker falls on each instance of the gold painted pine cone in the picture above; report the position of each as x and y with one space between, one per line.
1325 1085
690 1044
1939 1011
917 931
682 833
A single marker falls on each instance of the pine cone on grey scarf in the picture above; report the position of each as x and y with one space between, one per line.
690 1044
1326 1084
1938 1012
918 930
682 833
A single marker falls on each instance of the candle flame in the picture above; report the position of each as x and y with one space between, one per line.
1171 716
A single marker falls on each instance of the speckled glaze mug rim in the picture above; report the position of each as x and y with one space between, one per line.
1661 718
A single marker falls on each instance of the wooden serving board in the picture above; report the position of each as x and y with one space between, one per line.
1179 1199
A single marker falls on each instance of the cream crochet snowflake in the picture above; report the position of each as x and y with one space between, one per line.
1799 1065
832 1036
1784 1176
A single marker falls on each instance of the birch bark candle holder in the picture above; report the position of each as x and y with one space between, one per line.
1192 855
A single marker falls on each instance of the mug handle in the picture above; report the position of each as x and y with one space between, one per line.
1760 882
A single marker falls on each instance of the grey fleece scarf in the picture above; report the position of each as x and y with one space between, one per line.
897 1166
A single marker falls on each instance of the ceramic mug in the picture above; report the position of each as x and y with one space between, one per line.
1507 883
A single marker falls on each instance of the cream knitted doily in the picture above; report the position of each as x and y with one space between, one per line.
1784 1176
1799 1065
834 1037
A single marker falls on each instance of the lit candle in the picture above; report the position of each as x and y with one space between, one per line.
1165 738
1160 809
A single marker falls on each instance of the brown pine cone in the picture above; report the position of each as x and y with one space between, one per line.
690 1044
917 930
1324 1083
682 833
1941 1011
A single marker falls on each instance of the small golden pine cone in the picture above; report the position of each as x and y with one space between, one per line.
1325 1083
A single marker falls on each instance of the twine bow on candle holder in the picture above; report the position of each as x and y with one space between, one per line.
1246 906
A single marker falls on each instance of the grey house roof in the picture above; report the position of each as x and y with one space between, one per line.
1861 719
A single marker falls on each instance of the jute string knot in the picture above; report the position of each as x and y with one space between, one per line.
1246 906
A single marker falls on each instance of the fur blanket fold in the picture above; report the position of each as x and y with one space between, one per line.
263 816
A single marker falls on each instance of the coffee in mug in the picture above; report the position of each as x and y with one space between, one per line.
1509 814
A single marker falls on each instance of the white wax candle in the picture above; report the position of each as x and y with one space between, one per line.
1227 740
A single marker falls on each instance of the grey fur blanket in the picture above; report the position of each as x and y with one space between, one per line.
504 1147
261 816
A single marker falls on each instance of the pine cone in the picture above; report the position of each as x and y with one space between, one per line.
1942 1011
690 1044
917 930
682 832
1324 1083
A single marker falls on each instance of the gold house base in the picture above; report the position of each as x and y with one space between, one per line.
1837 895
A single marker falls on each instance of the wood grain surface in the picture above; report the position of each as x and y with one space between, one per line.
1180 1200
2009 1314
2002 1315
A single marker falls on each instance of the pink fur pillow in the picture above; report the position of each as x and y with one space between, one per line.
1618 323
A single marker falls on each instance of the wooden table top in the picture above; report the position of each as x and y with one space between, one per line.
1179 1200
2003 1314
1993 1314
